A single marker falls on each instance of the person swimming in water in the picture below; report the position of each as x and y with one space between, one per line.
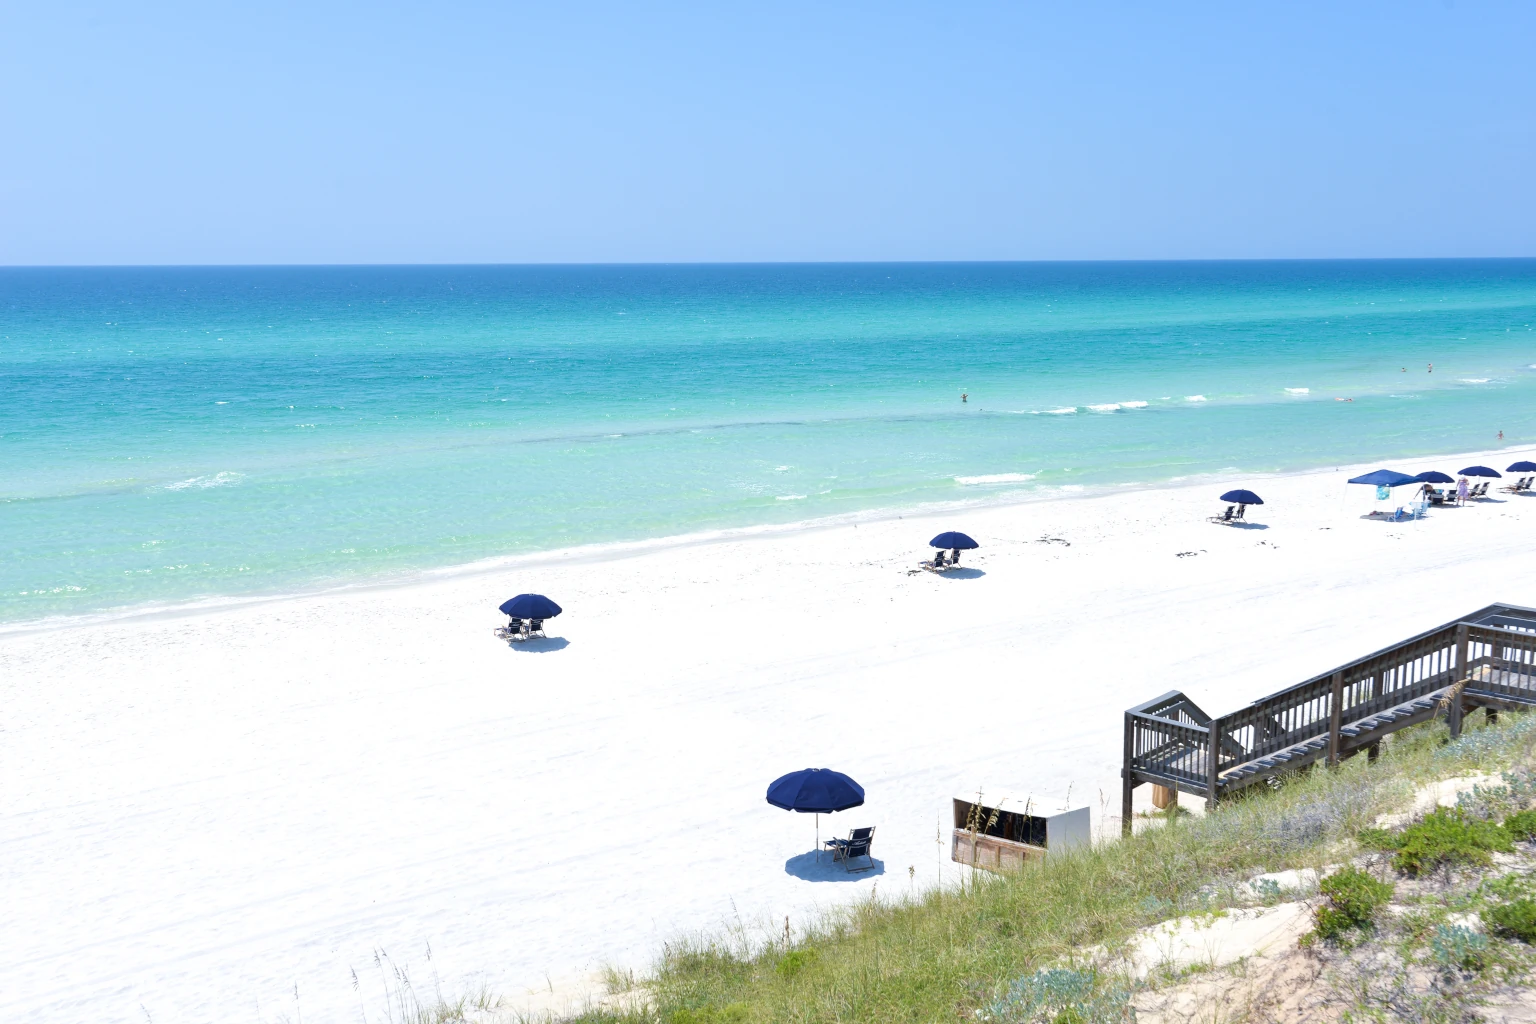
964 397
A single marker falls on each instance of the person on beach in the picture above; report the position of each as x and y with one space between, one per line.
1501 435
1461 489
964 397
1431 367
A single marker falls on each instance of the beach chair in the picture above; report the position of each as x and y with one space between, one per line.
855 846
1240 510
1225 517
1480 490
535 627
513 631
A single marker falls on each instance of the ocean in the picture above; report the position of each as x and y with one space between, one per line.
172 434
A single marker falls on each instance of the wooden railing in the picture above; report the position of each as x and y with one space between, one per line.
1487 659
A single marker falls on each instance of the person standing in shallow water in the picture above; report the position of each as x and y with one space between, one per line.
964 397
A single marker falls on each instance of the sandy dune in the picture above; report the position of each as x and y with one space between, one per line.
223 813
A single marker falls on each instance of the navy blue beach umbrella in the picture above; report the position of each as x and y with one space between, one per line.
1522 467
1243 497
530 606
815 791
1434 476
1480 471
953 540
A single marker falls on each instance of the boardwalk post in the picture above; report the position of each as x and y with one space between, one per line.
1212 764
1335 717
1463 671
1127 778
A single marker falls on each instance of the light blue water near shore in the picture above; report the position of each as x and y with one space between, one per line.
167 434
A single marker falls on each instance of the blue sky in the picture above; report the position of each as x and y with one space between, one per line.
456 132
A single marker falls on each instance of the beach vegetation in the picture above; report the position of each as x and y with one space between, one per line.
1447 837
1521 826
1352 899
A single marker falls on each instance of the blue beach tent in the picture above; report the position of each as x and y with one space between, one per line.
1480 471
953 540
1385 478
1242 497
530 606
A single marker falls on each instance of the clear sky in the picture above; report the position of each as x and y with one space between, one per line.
323 132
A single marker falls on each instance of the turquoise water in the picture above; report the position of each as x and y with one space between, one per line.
173 433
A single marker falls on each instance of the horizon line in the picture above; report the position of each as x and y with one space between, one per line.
764 263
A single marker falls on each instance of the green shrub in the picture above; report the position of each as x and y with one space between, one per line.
1353 899
1063 997
1448 837
1522 825
736 1013
1517 919
1513 886
1456 947
791 963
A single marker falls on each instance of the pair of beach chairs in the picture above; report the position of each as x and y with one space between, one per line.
1523 484
1402 514
1233 514
518 630
857 845
940 565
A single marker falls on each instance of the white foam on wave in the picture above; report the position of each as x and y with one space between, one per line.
1473 380
781 469
789 497
204 482
1194 398
994 478
1298 391
1133 405
1106 407
1062 411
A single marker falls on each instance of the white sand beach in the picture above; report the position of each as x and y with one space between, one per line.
222 813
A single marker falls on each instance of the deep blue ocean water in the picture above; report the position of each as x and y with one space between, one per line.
173 433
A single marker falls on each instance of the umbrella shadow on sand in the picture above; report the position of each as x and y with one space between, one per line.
806 867
540 644
963 573
1249 526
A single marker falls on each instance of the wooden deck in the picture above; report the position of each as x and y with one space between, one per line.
1487 659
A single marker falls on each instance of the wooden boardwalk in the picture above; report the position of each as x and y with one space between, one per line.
1487 660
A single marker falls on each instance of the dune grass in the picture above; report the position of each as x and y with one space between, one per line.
951 952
